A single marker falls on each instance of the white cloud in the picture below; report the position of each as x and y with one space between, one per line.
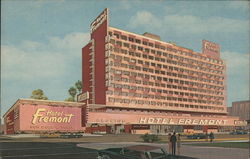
37 60
146 19
70 41
187 24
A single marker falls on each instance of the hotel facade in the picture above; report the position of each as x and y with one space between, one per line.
140 84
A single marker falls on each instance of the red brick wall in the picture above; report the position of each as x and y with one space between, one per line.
86 68
9 122
99 37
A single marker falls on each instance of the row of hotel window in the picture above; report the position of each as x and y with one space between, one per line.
185 74
146 102
179 94
170 80
159 85
149 49
199 97
166 112
160 62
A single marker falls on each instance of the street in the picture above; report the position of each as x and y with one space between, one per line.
40 150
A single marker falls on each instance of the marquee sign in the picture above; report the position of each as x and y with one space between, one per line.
99 20
150 119
181 121
210 48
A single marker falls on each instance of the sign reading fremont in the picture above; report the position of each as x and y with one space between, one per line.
99 20
46 116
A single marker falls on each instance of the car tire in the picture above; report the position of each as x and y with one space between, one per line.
105 157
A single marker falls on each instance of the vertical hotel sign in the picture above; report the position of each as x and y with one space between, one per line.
210 48
99 20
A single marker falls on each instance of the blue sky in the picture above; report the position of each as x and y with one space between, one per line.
41 40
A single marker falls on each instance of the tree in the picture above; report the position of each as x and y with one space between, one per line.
78 85
74 90
38 94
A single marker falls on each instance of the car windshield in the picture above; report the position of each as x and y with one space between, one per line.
156 154
134 154
152 154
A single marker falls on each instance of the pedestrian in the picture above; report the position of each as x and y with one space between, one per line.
211 136
206 136
169 143
179 144
173 140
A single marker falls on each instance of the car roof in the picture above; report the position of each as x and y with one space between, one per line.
142 147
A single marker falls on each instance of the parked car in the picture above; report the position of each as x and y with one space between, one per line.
50 135
137 152
197 136
71 135
238 132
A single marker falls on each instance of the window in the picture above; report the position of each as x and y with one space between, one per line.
123 37
138 41
131 39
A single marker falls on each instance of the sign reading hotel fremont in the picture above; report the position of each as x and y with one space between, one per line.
112 118
210 48
99 20
50 118
174 121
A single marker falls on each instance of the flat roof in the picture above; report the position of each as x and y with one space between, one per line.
164 42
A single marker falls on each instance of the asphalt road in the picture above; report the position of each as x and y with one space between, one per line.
200 152
40 150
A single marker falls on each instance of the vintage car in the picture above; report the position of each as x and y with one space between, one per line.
197 136
137 152
238 132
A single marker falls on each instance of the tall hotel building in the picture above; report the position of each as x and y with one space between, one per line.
139 83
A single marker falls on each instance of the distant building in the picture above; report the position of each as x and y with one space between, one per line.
240 109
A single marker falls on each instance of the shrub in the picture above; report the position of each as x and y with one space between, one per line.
150 138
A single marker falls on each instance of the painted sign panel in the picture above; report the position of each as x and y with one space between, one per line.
41 117
133 118
82 97
210 48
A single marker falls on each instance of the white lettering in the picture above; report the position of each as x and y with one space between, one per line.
151 120
211 122
195 122
181 121
188 121
143 121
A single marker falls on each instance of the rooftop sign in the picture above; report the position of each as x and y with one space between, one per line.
99 20
210 48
